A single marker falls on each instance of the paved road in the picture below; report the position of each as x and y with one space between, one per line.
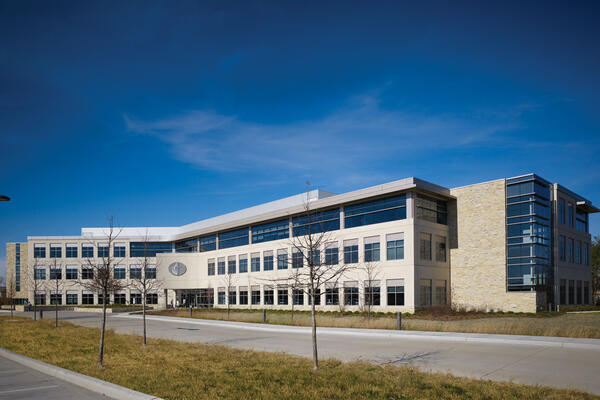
523 361
19 382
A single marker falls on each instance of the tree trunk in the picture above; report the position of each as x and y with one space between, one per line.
56 314
34 309
314 331
101 349
144 317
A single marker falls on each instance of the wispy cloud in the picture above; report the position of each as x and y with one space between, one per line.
355 135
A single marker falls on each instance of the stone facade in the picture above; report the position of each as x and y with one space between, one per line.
478 251
11 251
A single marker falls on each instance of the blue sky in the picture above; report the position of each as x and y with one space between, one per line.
164 113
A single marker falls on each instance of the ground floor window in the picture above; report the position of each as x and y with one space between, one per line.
232 296
579 292
563 291
151 298
298 297
586 292
372 293
101 298
87 298
269 297
120 298
425 293
221 297
317 298
440 292
282 297
40 299
71 298
351 293
135 298
56 298
243 297
571 291
395 292
332 296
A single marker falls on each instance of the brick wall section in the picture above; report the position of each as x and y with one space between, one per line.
478 251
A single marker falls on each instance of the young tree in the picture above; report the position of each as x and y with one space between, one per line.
103 280
146 282
11 292
56 285
370 271
596 269
35 285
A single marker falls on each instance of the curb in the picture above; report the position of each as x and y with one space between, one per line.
87 382
547 341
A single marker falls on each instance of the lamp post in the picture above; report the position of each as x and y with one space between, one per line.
4 198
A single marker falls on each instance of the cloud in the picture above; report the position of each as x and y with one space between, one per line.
355 135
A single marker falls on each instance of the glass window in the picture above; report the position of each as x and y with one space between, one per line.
151 298
586 292
120 298
350 251
351 293
282 296
372 249
255 262
239 237
317 297
570 251
221 266
71 298
561 210
231 265
255 296
186 246
586 254
221 296
244 296
232 296
571 216
579 292
40 274
425 292
71 272
40 299
272 231
581 219
135 272
87 273
150 272
297 259
316 257
430 209
208 243
71 250
243 264
269 297
395 292
440 247
135 298
578 252
562 254
282 262
149 249
374 212
211 267
571 291
87 298
563 291
331 255
372 293
298 297
324 221
119 250
55 251
395 246
332 296
425 246
102 250
268 261
55 273
56 298
87 251
440 292
39 251
119 272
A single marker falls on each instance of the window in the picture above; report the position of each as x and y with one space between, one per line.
282 262
316 257
579 292
149 249
135 297
87 297
351 251
570 214
440 248
395 246
570 250
208 243
374 212
150 271
571 291
243 264
268 261
351 293
297 259
331 254
282 296
395 292
221 296
586 254
578 252
586 292
298 297
135 272
71 272
562 249
243 295
87 251
55 272
425 292
39 251
561 210
71 297
232 295
372 249
40 273
211 267
239 237
324 221
151 298
271 231
332 296
581 221
56 298
440 292
87 273
231 265
119 250
221 266
269 296
372 293
119 272
255 295
120 298
101 299
103 250
563 291
425 246
186 246
430 209
255 262
40 298
55 251
317 297
71 250
18 267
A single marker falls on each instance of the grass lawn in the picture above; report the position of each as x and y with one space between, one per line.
540 324
175 370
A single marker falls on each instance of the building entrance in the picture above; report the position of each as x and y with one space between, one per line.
195 297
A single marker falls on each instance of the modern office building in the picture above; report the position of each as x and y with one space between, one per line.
515 244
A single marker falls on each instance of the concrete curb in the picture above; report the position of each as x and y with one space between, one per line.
87 382
548 341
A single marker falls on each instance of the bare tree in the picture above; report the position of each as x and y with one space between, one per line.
145 281
370 271
35 285
103 281
228 280
11 292
316 271
56 285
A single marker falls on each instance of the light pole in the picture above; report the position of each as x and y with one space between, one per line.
4 198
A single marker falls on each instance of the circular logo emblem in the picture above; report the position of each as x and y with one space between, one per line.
177 268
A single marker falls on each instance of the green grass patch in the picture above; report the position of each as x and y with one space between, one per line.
175 370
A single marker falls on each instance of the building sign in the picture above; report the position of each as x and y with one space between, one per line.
177 268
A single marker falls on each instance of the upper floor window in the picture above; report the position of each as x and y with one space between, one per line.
208 243
578 252
255 262
561 210
55 250
271 231
562 253
119 250
425 246
55 272
71 250
282 261
571 212
87 272
149 249
371 249
186 246
268 261
231 265
395 246
71 272
40 273
135 272
39 250
150 271
430 209
374 212
102 250
581 221
211 267
87 251
323 221
570 250
297 259
331 254
440 248
119 272
351 251
221 266
243 263
586 254
239 237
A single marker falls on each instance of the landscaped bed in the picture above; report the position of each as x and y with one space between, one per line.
175 370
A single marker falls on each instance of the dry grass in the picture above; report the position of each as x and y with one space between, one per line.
175 370
555 324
